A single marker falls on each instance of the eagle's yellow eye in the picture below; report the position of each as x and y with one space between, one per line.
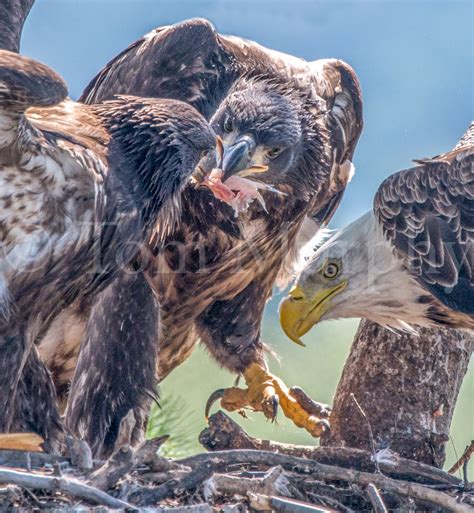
331 270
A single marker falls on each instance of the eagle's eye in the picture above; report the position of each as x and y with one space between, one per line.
228 125
205 153
331 270
274 152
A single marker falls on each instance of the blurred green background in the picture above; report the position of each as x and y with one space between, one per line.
316 368
415 62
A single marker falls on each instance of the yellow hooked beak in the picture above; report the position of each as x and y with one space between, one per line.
299 314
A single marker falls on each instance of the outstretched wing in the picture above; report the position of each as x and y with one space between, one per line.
336 83
192 62
184 62
427 212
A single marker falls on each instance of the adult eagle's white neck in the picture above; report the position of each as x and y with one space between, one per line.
408 262
356 273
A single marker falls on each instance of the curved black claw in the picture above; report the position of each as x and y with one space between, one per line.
270 407
320 410
275 404
215 396
324 423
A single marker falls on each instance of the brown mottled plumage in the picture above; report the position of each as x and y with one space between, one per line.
427 214
216 271
80 186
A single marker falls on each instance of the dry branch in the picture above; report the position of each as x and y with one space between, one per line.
143 496
67 486
407 385
29 460
376 499
272 483
223 460
80 453
281 505
466 456
223 433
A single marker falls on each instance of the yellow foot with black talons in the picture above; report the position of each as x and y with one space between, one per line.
266 392
21 442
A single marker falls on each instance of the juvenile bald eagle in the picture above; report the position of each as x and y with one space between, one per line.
408 262
290 128
80 186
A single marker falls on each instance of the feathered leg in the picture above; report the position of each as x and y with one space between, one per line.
13 353
237 346
116 369
36 405
27 395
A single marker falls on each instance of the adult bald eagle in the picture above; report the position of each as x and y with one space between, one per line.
288 125
80 186
408 262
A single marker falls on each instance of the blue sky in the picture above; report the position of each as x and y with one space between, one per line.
414 60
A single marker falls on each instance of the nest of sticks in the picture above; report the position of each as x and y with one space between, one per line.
239 473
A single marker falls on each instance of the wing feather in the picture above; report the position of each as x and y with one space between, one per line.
427 213
185 62
192 62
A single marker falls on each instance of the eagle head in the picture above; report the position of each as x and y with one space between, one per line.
156 146
272 132
355 273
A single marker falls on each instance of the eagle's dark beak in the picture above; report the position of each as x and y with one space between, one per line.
237 157
211 160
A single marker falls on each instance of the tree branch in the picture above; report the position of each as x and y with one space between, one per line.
70 487
222 460
223 433
376 499
466 456
28 460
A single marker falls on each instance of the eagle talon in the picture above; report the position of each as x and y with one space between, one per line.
325 426
267 393
274 403
215 396
320 410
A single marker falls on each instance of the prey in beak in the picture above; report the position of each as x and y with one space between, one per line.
298 314
209 161
227 176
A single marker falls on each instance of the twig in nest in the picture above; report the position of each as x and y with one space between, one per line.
70 487
163 477
272 483
469 451
376 499
220 461
371 434
223 433
262 502
329 501
143 496
21 459
147 454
